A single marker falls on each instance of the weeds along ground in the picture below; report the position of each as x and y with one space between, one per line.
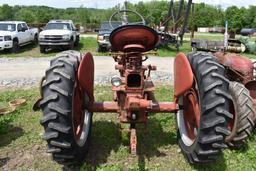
21 146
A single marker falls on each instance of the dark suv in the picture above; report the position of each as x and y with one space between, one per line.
103 35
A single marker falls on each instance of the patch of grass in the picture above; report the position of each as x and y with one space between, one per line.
89 44
171 51
21 145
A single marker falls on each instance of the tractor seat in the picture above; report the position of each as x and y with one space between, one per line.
133 38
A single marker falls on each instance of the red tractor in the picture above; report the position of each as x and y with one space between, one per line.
207 120
241 73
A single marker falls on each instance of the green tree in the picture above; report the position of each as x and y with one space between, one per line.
25 15
6 12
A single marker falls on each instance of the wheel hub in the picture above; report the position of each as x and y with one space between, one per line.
80 117
191 114
189 117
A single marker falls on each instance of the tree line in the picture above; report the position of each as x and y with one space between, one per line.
154 12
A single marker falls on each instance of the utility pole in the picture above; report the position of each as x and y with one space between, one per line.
226 37
125 18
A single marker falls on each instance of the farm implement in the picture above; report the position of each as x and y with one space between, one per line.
212 105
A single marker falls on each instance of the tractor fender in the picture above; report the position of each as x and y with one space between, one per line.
183 75
236 62
86 75
251 86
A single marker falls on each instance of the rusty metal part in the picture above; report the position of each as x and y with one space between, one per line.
7 110
133 142
251 86
234 46
231 123
157 107
13 105
85 75
78 110
17 102
192 112
183 75
133 34
239 67
36 106
107 107
131 53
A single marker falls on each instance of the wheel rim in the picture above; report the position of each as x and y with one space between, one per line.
80 117
233 112
189 117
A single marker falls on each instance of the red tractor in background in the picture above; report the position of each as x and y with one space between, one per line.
210 111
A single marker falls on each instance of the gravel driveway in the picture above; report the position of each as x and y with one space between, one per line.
20 72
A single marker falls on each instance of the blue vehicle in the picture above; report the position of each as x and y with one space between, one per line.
103 35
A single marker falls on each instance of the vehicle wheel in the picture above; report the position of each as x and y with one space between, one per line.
15 46
178 46
35 41
100 49
77 41
71 45
203 115
42 49
242 125
66 121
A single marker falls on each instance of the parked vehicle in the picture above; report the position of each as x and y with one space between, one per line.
103 35
59 33
14 34
248 32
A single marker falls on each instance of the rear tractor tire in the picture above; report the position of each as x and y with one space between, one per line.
202 120
66 121
242 125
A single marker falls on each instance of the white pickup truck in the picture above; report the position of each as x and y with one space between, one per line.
58 33
14 34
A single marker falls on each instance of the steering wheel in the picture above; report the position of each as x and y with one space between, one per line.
124 18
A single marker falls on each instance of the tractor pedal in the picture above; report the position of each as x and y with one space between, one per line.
133 142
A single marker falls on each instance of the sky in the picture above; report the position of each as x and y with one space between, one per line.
112 3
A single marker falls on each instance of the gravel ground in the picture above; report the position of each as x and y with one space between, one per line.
27 72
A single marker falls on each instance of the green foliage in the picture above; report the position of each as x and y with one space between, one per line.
153 11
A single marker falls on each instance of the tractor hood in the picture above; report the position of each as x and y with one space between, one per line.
55 32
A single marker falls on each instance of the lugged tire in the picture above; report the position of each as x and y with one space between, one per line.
244 111
58 92
214 110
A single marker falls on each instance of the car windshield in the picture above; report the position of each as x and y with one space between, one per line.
58 26
7 27
106 26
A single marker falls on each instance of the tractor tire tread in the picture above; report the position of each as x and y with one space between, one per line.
212 84
56 105
243 126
